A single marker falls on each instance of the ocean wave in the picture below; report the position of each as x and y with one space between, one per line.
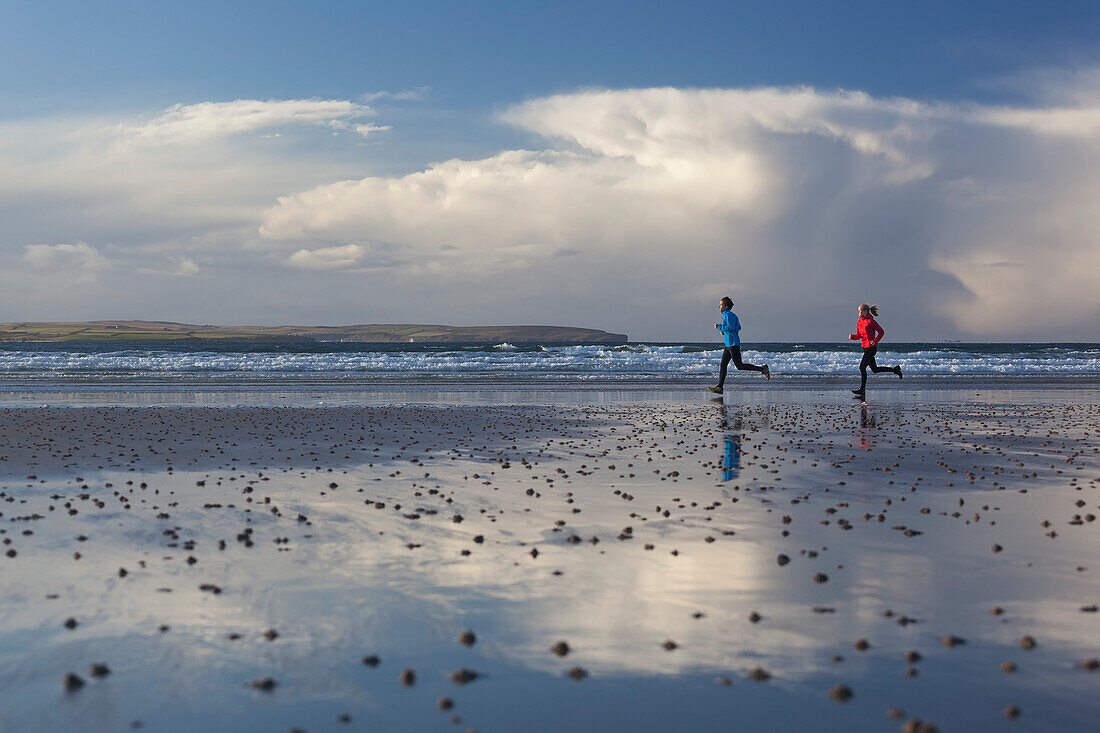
592 361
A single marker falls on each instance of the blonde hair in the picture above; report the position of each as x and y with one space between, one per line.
872 309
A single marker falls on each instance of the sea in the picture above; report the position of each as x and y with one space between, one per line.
210 362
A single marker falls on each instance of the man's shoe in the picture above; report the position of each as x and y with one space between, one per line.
767 372
897 370
715 390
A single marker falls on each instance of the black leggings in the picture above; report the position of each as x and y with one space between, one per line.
869 361
734 353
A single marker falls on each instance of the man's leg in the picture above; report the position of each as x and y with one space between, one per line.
726 356
740 364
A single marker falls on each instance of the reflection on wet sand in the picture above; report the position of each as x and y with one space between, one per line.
731 429
867 427
351 533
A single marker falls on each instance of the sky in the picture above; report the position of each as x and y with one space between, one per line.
614 165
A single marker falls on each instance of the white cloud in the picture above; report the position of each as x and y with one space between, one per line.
80 259
206 120
327 258
959 219
818 196
183 267
365 130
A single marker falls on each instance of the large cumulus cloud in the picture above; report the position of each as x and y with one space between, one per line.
631 210
964 219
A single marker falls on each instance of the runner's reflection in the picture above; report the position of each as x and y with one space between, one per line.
731 427
867 427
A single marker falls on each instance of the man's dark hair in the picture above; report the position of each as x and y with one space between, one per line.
726 302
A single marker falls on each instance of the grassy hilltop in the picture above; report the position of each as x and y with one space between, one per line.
376 333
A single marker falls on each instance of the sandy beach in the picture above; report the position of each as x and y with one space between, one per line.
648 559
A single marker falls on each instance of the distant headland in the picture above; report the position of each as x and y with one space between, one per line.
370 333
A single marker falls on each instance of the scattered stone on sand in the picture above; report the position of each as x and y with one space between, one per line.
841 693
951 640
759 674
1028 642
578 673
73 682
99 670
463 676
467 638
408 677
445 703
263 684
371 660
560 648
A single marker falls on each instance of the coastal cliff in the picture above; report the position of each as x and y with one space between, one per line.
367 333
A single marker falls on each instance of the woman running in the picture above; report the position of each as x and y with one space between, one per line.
870 332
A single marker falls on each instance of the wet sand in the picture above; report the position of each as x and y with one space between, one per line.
782 559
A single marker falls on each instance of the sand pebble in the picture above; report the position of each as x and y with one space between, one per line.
841 693
264 684
759 674
463 676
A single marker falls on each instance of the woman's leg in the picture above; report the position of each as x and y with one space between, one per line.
875 367
868 360
742 365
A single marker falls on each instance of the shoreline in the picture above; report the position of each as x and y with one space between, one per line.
310 392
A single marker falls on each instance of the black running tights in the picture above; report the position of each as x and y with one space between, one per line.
733 353
869 361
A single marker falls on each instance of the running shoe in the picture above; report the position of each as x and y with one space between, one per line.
897 370
715 390
859 392
767 372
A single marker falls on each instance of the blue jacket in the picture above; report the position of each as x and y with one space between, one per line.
729 327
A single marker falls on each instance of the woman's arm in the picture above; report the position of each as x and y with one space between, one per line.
876 332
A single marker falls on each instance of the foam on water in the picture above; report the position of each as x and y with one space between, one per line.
630 361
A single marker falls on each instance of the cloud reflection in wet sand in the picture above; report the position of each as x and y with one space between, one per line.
348 583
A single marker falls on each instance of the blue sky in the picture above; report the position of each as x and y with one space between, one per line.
970 123
477 54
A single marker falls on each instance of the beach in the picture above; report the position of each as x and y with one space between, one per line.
530 558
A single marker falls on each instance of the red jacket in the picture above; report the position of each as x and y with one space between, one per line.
868 330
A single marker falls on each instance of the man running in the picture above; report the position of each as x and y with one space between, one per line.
730 326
